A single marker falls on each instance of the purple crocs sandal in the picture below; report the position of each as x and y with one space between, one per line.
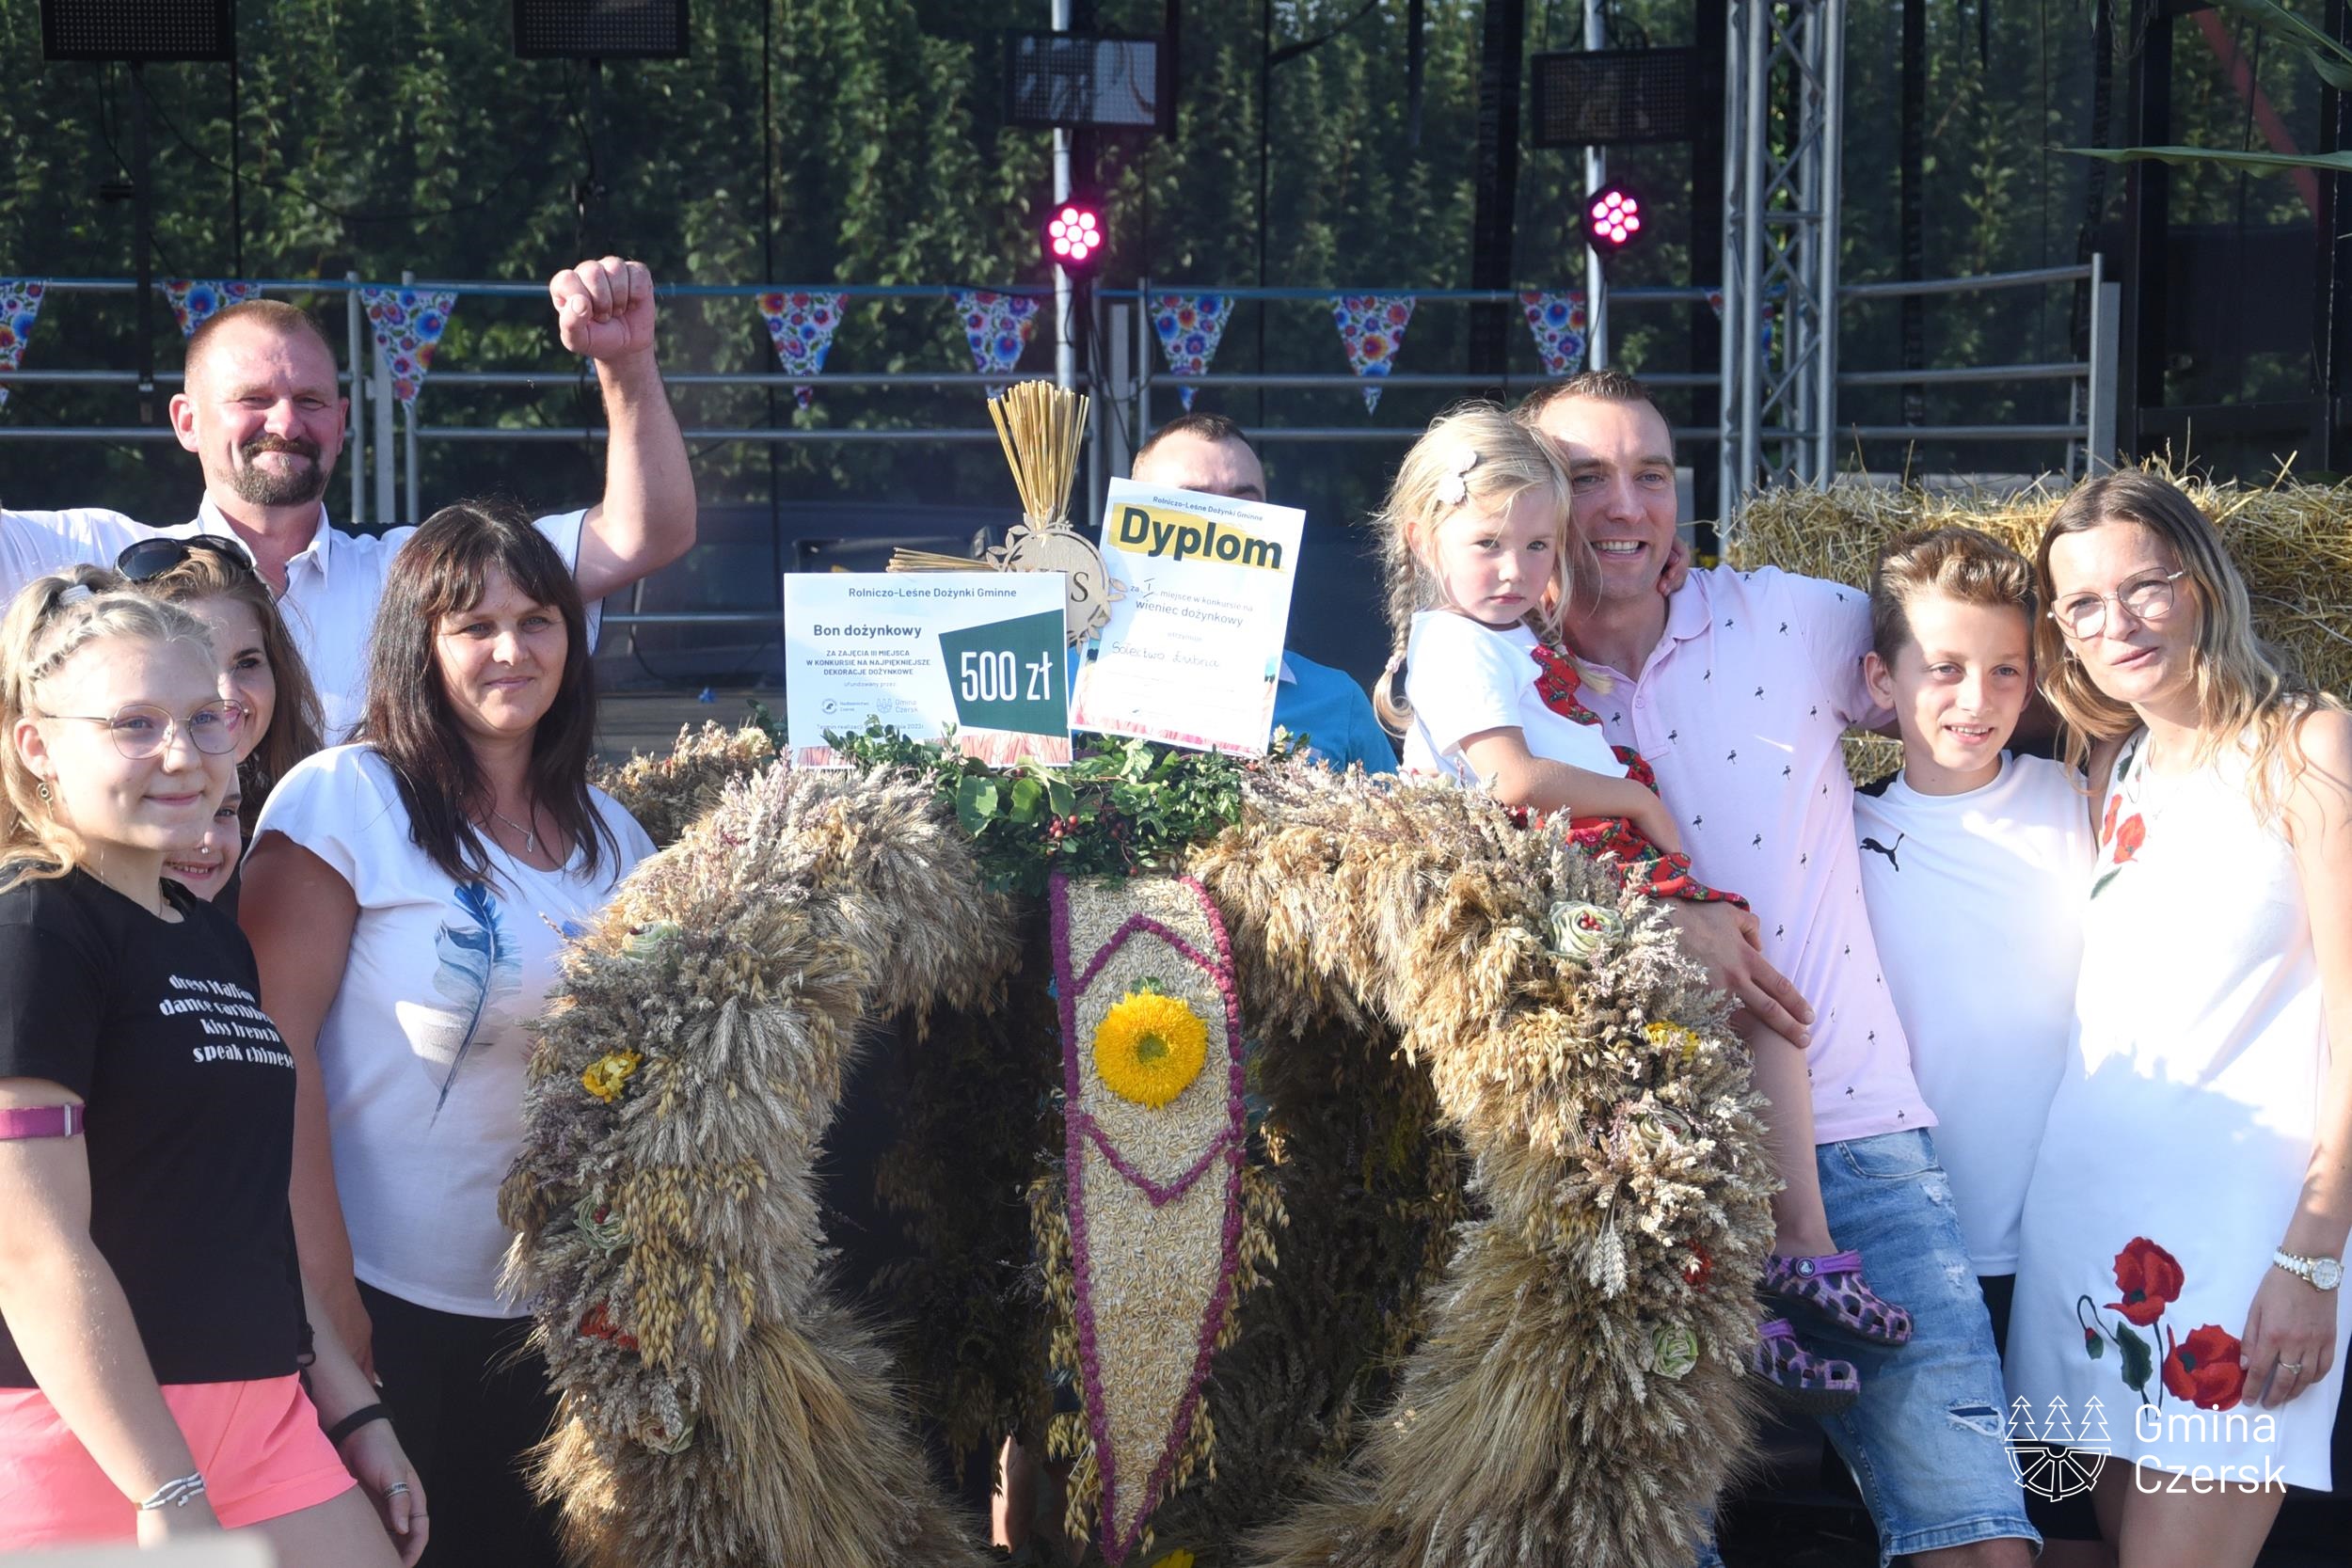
1832 1289
1798 1378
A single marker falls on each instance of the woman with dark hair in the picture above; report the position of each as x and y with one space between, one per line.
408 897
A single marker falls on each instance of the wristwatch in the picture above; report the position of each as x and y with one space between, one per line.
2324 1273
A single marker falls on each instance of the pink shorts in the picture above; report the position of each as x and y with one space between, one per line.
258 1446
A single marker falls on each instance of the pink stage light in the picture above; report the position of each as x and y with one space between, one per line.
1612 219
1073 237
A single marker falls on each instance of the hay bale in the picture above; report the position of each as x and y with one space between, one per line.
2292 541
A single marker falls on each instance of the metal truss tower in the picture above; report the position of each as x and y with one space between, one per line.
1784 130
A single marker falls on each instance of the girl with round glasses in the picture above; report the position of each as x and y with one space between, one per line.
2183 1239
260 666
153 1328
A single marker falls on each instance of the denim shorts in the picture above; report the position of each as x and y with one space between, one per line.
1927 1441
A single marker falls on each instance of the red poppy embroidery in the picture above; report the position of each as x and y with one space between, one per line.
2149 1278
2203 1367
2127 839
2106 828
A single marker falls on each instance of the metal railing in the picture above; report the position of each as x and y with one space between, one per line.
383 440
2093 405
2089 434
382 437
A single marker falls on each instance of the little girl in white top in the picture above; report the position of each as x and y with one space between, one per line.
1482 563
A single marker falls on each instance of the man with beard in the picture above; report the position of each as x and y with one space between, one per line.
263 412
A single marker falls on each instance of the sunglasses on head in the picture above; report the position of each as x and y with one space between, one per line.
150 559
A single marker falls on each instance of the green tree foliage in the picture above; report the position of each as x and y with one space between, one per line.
811 143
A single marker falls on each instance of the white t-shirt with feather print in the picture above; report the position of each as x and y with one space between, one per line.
422 1052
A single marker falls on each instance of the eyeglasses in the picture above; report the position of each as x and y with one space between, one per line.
2148 599
142 730
149 559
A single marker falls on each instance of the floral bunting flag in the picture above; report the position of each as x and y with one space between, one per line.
1189 328
1371 329
1558 322
408 325
196 300
801 324
998 326
20 303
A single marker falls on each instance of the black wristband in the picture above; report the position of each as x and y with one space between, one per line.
353 1422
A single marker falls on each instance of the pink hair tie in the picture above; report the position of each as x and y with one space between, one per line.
1397 662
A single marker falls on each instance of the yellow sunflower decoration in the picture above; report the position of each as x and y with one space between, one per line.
1149 1047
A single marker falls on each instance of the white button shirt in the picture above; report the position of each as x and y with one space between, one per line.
332 586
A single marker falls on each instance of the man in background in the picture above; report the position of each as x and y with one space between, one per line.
1208 454
262 411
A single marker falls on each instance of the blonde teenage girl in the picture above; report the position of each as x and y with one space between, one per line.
153 1323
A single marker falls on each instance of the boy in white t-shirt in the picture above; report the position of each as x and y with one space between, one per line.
1975 862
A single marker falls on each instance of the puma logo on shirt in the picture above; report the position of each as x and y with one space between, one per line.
1886 849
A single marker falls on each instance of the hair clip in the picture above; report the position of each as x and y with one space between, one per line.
1454 488
74 594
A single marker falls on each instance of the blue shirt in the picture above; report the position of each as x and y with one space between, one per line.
1333 714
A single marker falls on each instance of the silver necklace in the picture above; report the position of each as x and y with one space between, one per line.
531 840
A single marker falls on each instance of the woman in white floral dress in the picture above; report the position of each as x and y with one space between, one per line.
2184 1230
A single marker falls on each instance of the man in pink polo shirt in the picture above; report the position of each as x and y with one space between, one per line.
1737 687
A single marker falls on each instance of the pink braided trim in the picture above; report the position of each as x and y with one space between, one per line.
1078 1125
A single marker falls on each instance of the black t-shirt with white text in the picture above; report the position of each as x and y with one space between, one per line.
189 1094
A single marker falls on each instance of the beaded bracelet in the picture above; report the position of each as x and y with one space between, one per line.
174 1494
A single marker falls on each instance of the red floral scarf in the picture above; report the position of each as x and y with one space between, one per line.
1660 873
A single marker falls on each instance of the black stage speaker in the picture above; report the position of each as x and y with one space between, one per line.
600 29
1614 97
139 29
